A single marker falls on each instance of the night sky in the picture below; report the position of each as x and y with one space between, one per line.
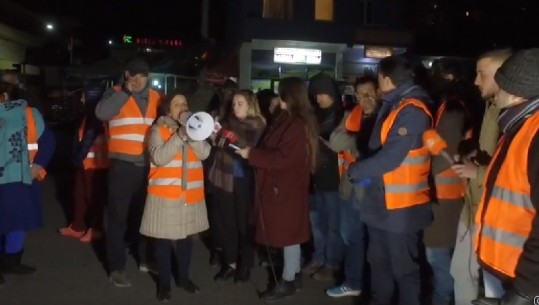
105 19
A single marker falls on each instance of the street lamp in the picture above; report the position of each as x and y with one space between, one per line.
110 42
49 26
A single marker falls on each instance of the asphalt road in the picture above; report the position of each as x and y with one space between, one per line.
70 273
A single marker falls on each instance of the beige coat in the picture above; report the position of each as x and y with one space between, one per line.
165 218
488 139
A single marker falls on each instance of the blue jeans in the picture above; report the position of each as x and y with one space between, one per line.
353 235
325 224
440 262
13 242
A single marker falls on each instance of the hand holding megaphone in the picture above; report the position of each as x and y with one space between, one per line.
199 125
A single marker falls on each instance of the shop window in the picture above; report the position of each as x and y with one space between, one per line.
323 10
278 9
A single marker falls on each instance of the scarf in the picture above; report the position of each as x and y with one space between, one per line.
14 158
247 132
511 119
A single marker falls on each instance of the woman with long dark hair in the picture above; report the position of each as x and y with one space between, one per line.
284 161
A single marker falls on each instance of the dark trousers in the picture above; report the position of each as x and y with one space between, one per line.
236 234
127 195
213 214
183 249
90 196
394 260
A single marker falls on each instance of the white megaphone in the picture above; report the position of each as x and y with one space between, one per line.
199 126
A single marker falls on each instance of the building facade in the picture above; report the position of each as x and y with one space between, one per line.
279 38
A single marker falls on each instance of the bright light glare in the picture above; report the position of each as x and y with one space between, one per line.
50 26
156 83
110 41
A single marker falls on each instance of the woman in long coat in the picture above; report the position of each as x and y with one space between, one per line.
283 162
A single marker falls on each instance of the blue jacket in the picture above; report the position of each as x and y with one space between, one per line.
368 172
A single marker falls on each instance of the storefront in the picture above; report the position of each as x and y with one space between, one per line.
263 62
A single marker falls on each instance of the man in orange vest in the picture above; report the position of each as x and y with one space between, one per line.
130 110
507 234
394 175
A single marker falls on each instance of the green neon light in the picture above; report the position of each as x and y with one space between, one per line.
128 39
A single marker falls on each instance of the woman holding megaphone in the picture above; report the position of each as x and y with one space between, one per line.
175 207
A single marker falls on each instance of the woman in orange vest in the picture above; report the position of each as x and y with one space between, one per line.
507 235
91 161
175 207
26 147
232 182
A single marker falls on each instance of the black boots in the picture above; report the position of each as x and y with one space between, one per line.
163 293
11 264
282 290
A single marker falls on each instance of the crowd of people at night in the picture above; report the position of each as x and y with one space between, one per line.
352 194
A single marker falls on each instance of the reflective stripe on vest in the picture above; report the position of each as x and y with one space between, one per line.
407 185
31 135
448 185
97 157
168 182
128 130
504 222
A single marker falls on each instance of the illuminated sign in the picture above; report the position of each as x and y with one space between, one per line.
171 43
377 52
128 39
297 56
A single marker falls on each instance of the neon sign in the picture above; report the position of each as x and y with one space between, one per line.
171 43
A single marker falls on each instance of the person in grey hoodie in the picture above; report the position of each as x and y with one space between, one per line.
130 110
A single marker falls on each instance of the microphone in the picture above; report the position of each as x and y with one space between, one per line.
436 145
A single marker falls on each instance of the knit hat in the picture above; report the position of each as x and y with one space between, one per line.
138 66
519 75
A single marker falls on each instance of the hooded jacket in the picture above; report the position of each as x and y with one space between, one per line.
326 177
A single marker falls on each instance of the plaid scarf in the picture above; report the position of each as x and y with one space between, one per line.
243 133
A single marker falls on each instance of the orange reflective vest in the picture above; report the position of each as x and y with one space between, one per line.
353 121
505 221
32 140
407 185
97 156
449 186
168 181
352 124
128 130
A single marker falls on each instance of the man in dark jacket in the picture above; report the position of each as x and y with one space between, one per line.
325 208
394 175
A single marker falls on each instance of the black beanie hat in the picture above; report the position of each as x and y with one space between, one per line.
138 66
519 75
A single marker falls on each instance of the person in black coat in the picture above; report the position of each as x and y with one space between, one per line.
324 214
